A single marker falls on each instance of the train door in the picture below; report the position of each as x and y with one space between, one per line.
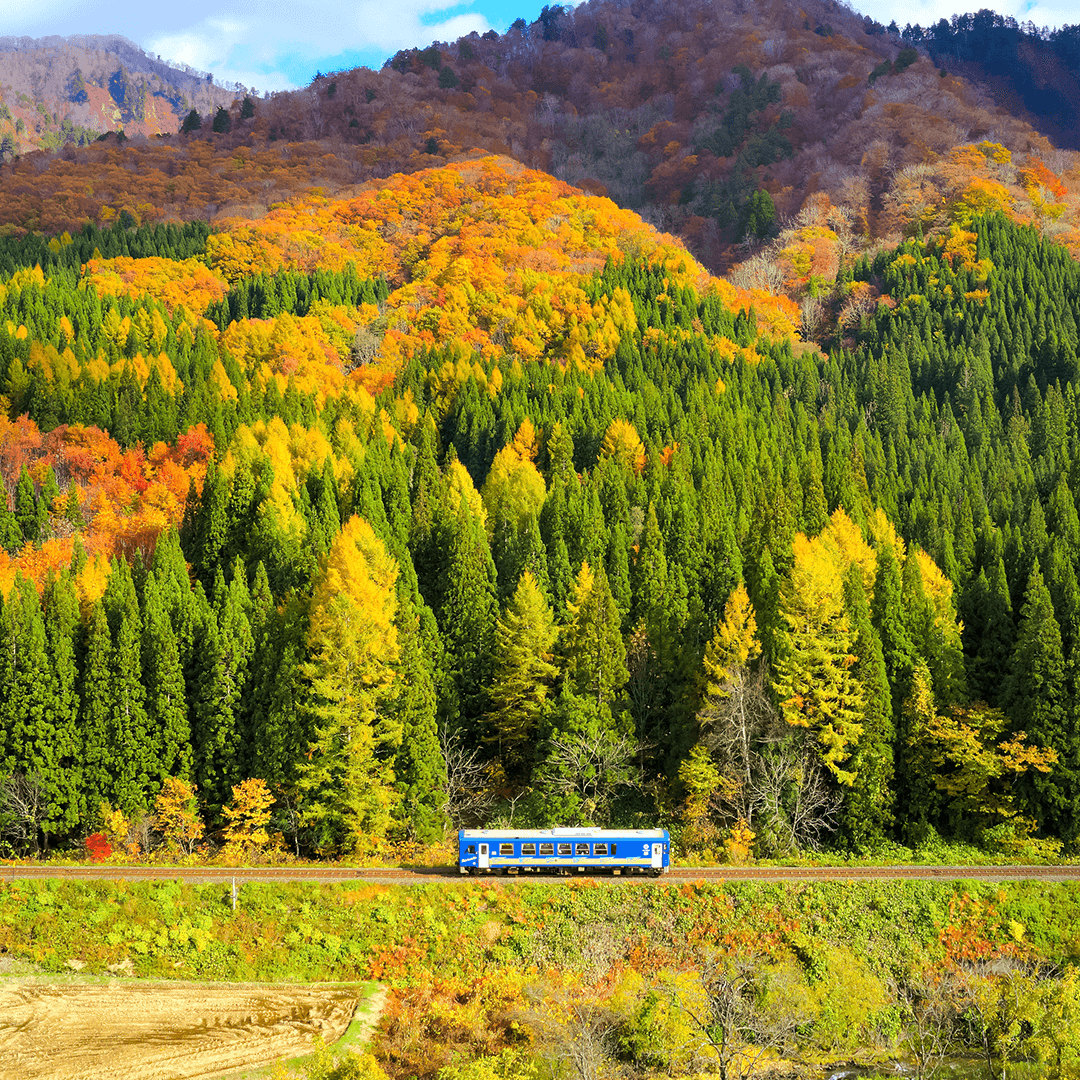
483 857
657 856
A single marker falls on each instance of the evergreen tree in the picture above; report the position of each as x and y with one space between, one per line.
468 618
132 749
275 715
211 529
523 674
419 767
887 619
652 596
95 714
61 630
866 812
998 640
220 746
1036 704
166 704
591 648
32 746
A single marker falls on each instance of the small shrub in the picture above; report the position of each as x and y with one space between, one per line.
98 847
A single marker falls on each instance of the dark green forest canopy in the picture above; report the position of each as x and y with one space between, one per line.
953 409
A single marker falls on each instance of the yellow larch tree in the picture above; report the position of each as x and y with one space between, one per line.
814 680
347 780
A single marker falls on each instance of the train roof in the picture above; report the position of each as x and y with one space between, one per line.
542 834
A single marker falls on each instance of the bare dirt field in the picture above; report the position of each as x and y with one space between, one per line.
159 1031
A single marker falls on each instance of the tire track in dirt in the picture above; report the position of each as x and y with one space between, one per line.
125 1030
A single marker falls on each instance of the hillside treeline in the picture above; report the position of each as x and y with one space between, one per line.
1022 64
658 567
684 112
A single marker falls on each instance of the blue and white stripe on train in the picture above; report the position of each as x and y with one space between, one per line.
563 851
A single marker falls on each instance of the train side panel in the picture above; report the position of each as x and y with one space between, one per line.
560 850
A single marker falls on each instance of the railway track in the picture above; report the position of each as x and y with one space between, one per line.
420 875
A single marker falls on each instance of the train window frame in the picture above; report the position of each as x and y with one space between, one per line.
547 851
600 850
528 851
506 850
581 851
613 851
566 849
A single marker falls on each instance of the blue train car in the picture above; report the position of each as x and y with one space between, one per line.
563 851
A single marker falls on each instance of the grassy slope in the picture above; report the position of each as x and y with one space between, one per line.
462 958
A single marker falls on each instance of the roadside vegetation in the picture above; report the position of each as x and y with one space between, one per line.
584 980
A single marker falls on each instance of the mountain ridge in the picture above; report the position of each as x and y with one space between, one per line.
61 90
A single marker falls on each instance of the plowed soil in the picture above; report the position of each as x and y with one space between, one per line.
160 1031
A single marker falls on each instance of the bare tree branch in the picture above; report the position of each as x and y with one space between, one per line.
23 809
933 1003
793 798
736 1017
591 766
579 1034
469 794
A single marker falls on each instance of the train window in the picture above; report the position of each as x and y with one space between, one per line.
506 849
565 849
599 849
471 849
528 849
582 849
613 849
547 849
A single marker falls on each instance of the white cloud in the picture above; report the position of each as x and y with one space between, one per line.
278 45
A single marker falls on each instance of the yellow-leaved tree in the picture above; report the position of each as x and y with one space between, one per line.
248 815
347 782
973 763
622 442
176 815
733 645
814 681
514 488
735 718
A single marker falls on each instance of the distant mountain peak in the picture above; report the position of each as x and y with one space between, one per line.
60 90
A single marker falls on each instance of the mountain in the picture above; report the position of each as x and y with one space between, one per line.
715 121
344 454
56 91
1032 71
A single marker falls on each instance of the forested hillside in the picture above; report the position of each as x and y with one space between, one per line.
69 91
1029 70
416 488
473 498
719 122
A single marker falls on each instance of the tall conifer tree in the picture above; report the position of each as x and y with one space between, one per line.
166 703
867 808
1036 704
468 617
522 677
419 767
131 747
61 629
95 711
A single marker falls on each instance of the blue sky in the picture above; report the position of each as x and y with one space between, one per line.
280 44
